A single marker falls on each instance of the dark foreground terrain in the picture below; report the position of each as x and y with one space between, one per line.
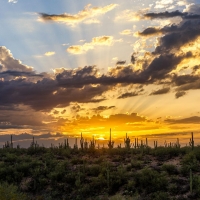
62 173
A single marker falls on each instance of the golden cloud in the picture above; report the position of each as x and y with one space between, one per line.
96 41
87 13
126 32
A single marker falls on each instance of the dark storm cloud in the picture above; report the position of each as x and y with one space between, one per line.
161 91
189 120
82 85
179 36
41 96
128 94
161 66
175 36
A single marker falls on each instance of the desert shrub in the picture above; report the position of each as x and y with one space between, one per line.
10 158
173 189
76 161
170 152
170 168
149 180
10 192
160 195
130 187
136 164
188 162
196 185
93 170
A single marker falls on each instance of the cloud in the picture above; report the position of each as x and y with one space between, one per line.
49 53
12 1
161 91
26 136
22 117
121 62
184 79
126 32
189 120
127 95
100 109
96 41
7 62
180 94
192 8
164 15
150 31
163 3
63 111
86 15
129 16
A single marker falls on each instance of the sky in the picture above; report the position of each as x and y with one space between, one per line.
71 67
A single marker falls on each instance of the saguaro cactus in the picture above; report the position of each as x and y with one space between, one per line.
127 142
82 142
66 145
75 145
155 144
191 143
92 143
110 143
11 143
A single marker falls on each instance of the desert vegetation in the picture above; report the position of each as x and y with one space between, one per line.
135 171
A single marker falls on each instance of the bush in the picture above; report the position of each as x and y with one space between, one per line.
10 192
159 196
170 169
150 181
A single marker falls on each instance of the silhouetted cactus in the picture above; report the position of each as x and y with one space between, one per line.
177 143
110 143
191 143
155 144
11 143
66 144
146 142
127 142
82 142
85 144
92 143
75 145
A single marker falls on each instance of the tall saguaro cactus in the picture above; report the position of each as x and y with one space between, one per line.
127 142
110 143
191 143
82 142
